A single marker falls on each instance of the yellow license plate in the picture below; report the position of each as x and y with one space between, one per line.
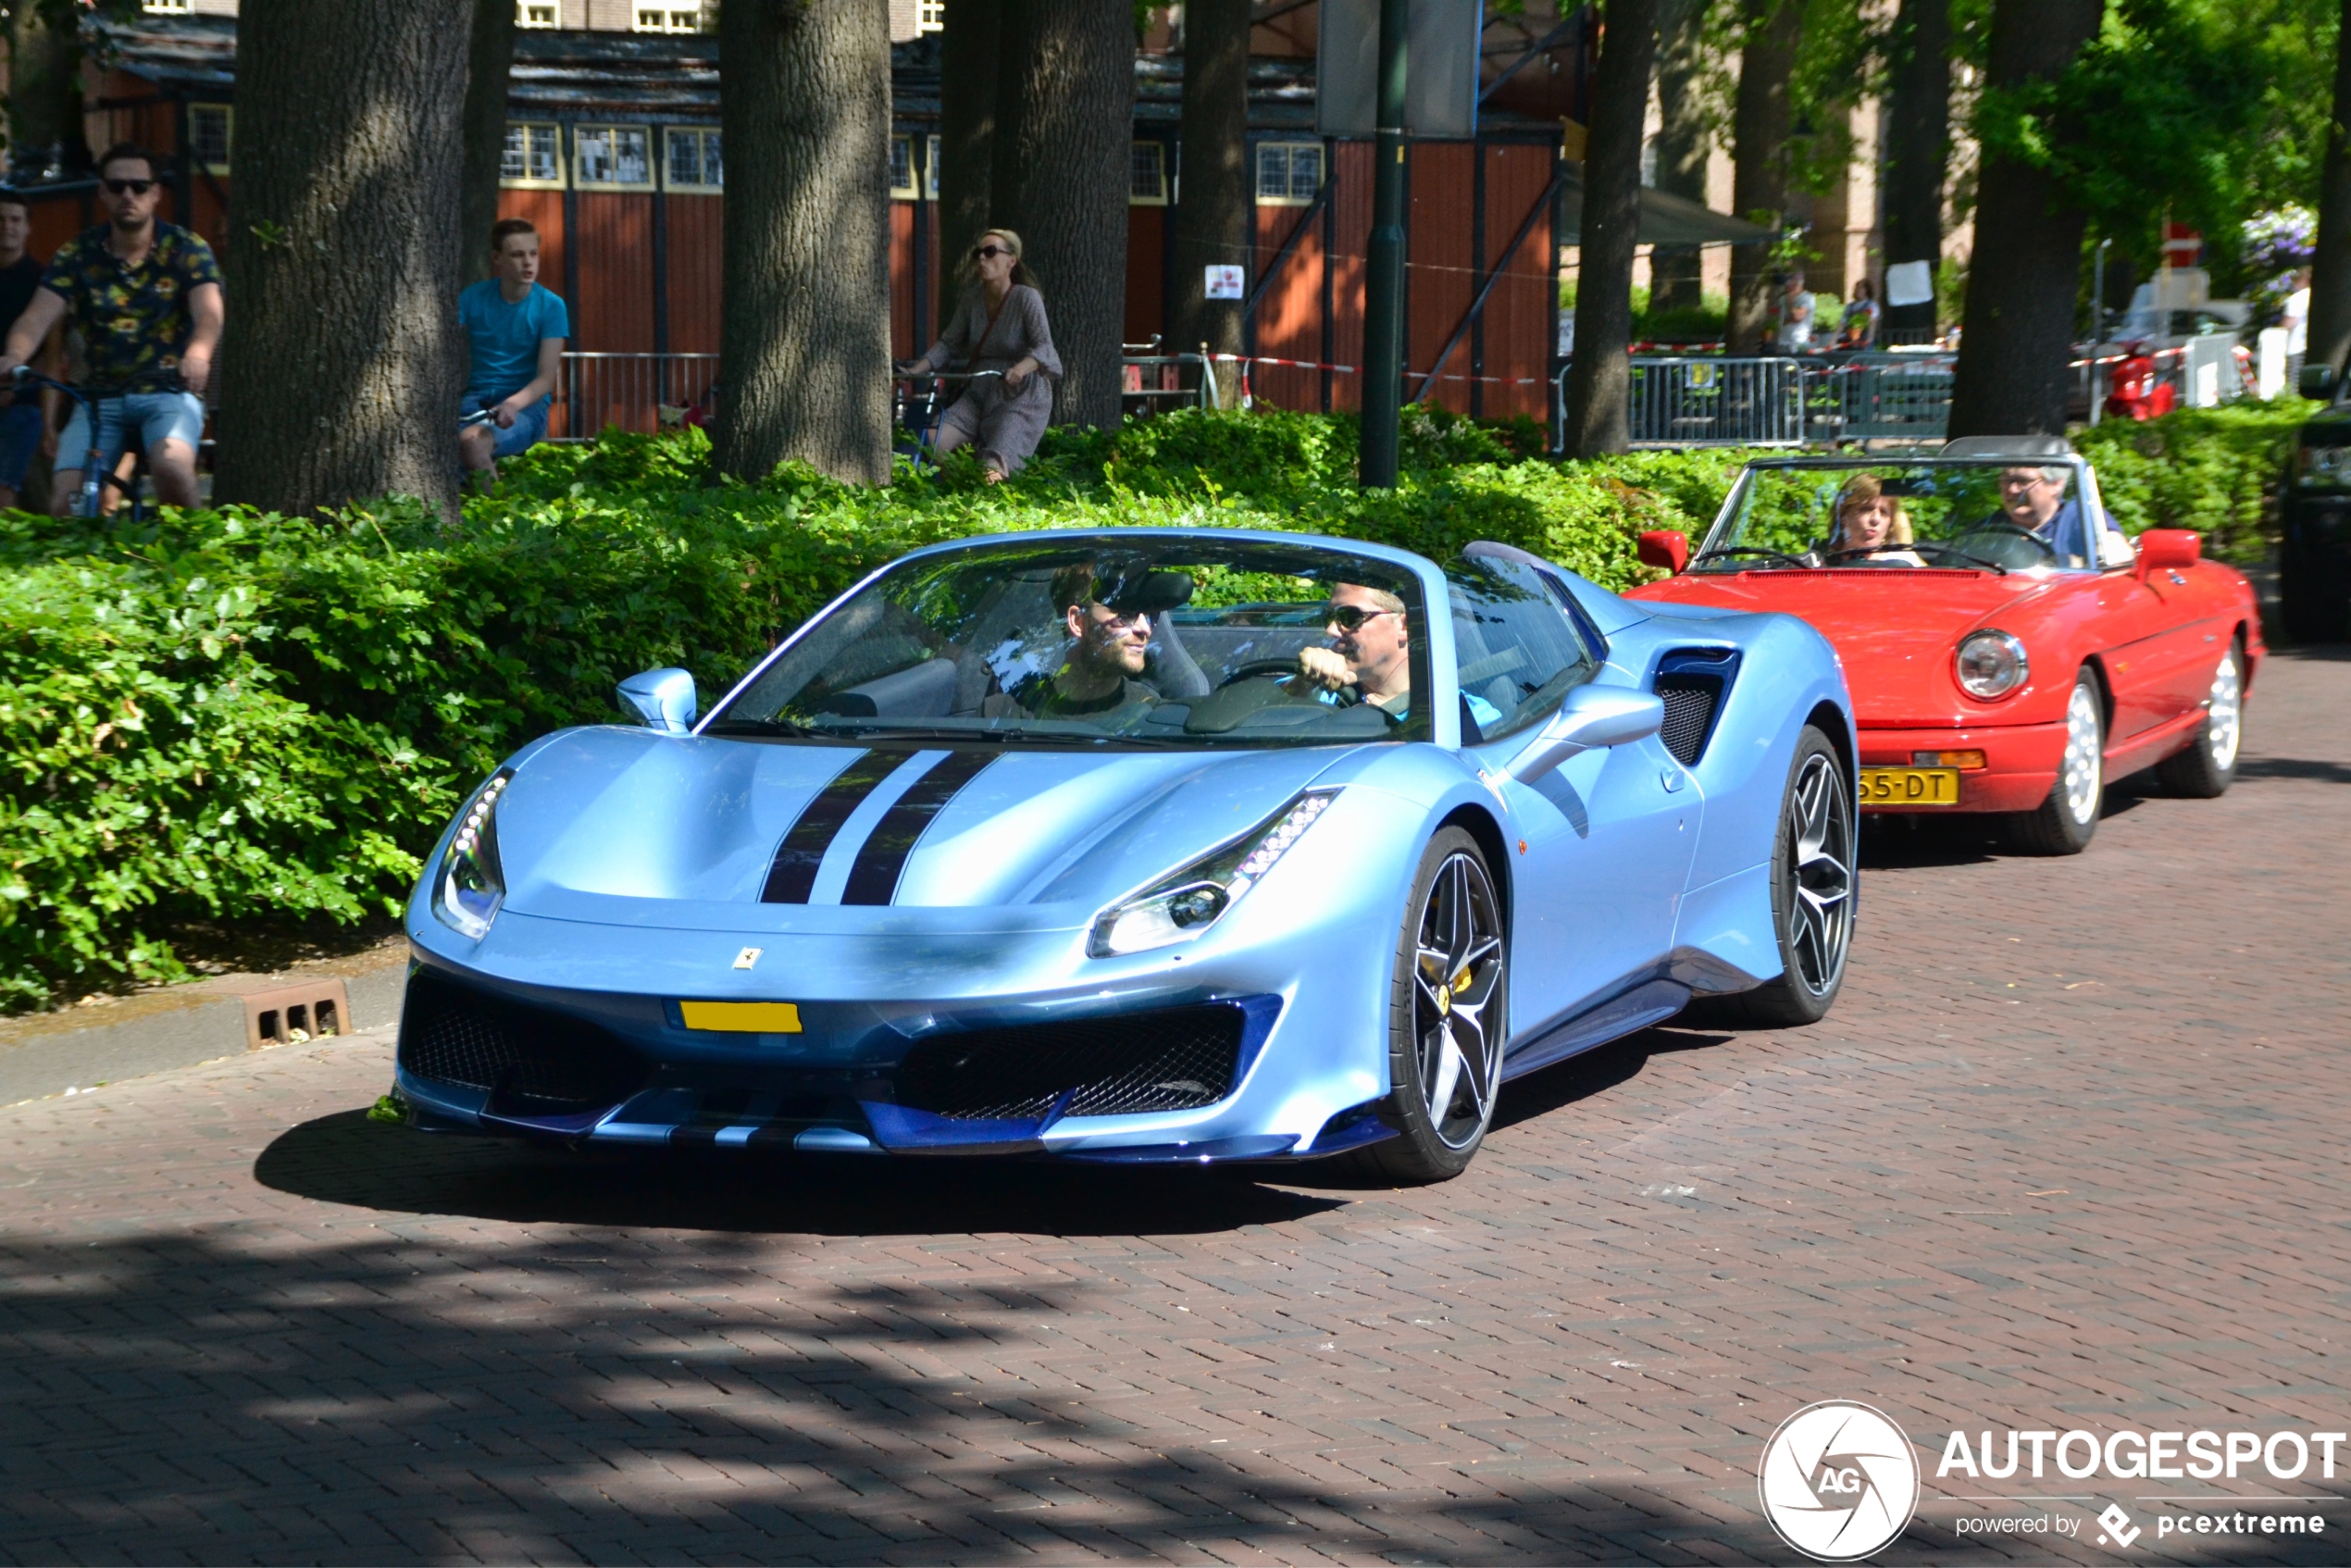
1910 785
743 1017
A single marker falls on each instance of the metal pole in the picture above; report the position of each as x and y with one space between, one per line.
1384 287
2097 325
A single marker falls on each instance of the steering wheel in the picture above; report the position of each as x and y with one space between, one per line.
2001 530
1265 669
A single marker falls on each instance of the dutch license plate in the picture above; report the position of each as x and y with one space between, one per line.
1910 785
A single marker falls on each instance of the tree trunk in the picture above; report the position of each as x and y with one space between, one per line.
1212 218
2026 271
341 363
804 340
2330 327
1683 142
44 92
1917 146
1065 133
1759 130
1597 380
967 73
489 63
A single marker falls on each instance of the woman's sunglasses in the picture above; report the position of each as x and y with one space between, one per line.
988 253
1351 618
129 186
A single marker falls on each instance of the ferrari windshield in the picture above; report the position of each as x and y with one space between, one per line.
1182 641
1971 516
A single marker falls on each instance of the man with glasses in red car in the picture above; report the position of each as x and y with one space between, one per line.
146 298
1370 657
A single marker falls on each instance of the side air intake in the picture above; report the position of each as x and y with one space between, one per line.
1693 683
1171 1059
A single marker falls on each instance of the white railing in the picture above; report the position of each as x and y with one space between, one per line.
627 392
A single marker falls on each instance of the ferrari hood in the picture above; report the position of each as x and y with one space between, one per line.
1893 629
621 825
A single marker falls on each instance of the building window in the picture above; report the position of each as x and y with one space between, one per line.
612 157
930 16
534 159
901 168
1288 173
1147 177
208 129
671 17
930 172
695 163
537 13
167 8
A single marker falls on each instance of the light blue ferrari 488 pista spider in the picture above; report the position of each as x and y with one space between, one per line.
1137 846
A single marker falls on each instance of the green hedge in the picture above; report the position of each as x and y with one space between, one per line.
2215 470
232 716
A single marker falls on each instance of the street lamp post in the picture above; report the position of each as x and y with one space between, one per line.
1384 286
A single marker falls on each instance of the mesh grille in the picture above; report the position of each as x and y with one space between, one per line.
1689 708
1173 1060
531 1061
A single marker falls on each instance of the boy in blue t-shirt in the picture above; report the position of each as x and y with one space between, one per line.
516 330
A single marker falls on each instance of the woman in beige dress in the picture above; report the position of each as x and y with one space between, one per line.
999 326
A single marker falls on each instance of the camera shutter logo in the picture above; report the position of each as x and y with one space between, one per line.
1838 1481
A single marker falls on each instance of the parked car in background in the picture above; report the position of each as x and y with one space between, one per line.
2010 651
1076 844
2314 561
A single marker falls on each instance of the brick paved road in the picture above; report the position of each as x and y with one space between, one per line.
2067 1155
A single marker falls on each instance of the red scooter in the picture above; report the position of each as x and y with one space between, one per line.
2139 393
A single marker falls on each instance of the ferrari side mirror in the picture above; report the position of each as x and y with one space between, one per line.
662 699
1593 716
1669 548
2175 549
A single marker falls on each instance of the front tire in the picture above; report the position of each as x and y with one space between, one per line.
1815 893
2064 822
2210 765
1447 1024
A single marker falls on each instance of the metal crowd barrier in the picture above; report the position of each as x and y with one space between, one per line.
1878 397
1712 402
625 391
1154 383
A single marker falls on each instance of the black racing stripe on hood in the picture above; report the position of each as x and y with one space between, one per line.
792 876
882 858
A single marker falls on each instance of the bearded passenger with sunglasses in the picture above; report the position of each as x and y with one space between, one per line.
999 334
145 297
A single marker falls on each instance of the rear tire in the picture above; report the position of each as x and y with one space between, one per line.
1815 893
2210 765
2064 823
1447 1024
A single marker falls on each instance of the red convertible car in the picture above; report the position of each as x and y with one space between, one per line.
2009 650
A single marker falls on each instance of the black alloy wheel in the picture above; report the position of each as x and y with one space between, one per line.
1816 886
1446 1022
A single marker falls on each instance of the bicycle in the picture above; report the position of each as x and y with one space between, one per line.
97 473
934 406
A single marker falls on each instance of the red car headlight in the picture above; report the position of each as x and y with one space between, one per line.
1990 665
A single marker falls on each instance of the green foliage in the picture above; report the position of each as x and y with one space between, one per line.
2206 109
2215 470
238 716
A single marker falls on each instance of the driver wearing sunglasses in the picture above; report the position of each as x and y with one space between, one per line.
1370 657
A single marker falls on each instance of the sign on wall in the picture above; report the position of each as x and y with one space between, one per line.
1440 80
1227 282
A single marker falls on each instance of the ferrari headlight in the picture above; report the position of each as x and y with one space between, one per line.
2322 465
1182 904
469 885
1991 665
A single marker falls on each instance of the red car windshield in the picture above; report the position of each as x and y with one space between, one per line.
1999 517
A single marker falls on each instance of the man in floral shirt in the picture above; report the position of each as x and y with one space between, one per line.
145 297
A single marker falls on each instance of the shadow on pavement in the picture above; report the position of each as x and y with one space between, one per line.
2293 768
349 1160
1596 1070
